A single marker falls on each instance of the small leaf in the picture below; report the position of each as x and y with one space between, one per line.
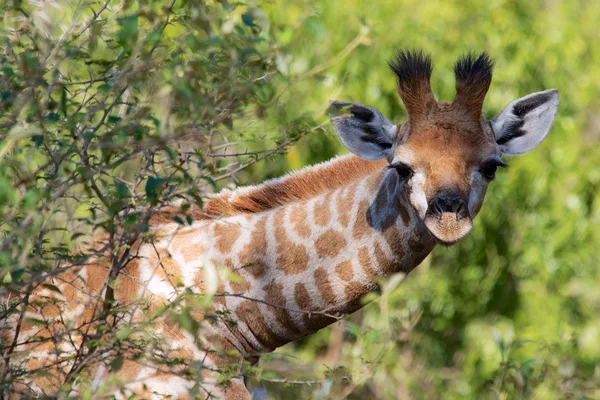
123 333
154 187
129 29
248 19
51 287
373 337
121 190
16 275
117 363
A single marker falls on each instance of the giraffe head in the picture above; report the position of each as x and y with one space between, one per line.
445 153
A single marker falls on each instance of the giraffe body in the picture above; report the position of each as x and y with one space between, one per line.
288 257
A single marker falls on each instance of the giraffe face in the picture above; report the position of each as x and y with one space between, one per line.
446 153
447 167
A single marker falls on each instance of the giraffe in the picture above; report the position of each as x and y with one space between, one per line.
307 247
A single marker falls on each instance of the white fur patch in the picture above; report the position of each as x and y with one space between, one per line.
417 193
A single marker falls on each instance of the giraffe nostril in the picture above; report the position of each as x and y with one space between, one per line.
436 207
448 204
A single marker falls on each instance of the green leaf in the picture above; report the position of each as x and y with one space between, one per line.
373 337
51 287
248 20
30 199
128 31
17 274
123 333
117 363
121 190
154 188
7 192
154 37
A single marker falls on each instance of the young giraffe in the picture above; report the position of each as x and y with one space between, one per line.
309 246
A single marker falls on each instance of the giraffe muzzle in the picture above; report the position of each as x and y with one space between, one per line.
448 218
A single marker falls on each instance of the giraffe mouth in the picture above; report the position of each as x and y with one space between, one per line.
448 228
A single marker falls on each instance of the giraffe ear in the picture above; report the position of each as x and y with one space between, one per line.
362 129
525 122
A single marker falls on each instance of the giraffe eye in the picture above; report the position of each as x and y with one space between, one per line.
403 170
489 168
489 171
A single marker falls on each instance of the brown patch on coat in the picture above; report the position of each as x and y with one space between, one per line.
226 235
71 285
291 258
249 256
324 286
97 275
274 295
394 241
354 292
344 270
330 243
298 218
238 282
236 390
185 243
128 283
250 314
365 261
164 267
312 321
226 352
385 265
191 253
199 280
321 211
344 200
361 226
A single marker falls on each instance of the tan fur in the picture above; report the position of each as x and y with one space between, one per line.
344 270
299 221
330 243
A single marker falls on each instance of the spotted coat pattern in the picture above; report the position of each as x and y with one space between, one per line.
292 270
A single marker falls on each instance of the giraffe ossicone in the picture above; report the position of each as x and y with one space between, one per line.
306 248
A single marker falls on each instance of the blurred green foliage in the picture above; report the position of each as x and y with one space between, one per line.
512 311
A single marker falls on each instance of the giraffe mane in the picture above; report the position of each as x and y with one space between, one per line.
296 186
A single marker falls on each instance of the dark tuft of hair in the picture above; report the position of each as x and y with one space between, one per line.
473 78
471 69
411 66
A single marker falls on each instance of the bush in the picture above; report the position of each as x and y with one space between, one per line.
111 111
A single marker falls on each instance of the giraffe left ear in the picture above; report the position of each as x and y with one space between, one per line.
362 129
525 122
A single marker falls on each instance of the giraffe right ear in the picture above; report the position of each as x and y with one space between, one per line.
362 129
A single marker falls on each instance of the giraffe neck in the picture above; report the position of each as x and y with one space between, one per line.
302 264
